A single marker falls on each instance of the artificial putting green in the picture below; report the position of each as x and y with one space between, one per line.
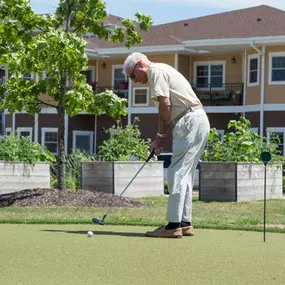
63 254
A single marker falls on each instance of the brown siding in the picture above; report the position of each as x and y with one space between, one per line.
79 123
274 119
103 124
220 121
24 121
254 118
8 121
148 126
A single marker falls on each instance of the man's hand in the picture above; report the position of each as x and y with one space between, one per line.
158 145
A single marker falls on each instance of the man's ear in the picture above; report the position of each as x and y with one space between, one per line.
140 63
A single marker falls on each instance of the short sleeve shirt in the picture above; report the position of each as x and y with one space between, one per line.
166 81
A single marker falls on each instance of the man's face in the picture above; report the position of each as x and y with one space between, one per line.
138 73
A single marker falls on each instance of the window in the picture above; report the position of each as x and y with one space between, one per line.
28 76
119 82
277 133
209 74
82 140
253 70
25 132
49 139
141 96
277 68
90 75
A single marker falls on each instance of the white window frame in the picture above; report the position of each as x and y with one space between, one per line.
147 96
250 57
82 133
209 63
271 55
276 130
22 129
8 130
48 130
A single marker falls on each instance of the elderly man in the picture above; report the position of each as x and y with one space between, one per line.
182 112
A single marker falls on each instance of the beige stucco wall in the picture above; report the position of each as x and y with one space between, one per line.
252 96
273 93
184 65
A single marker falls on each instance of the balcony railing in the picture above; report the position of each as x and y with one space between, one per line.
229 94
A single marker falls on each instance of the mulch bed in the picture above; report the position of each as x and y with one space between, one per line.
55 197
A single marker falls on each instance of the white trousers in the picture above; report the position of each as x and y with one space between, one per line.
190 136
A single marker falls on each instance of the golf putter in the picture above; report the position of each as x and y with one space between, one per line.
101 222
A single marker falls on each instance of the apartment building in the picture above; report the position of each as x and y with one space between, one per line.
235 61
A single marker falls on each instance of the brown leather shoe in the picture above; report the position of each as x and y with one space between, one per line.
163 233
188 231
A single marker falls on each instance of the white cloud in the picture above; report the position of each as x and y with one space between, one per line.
226 4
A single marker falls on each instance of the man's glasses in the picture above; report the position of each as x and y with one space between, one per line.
132 75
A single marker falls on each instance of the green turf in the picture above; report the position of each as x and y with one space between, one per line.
214 215
63 254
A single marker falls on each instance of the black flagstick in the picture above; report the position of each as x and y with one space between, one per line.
265 157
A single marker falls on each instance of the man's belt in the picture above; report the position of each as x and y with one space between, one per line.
182 114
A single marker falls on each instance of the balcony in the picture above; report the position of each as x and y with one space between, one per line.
229 94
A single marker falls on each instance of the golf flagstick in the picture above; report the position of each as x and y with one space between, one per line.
101 222
265 157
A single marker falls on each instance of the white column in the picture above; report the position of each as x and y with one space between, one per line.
176 63
65 133
129 113
262 91
95 134
13 123
36 128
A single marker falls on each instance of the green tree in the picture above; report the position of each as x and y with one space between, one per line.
53 45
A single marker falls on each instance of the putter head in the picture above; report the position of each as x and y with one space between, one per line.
97 221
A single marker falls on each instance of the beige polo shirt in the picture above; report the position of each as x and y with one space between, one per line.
164 80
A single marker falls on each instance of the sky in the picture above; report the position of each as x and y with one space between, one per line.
165 11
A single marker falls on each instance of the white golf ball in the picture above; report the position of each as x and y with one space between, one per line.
90 233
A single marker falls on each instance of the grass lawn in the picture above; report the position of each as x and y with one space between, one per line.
122 255
212 215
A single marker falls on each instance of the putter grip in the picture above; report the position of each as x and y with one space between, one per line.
150 156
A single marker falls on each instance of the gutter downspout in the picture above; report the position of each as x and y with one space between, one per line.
262 53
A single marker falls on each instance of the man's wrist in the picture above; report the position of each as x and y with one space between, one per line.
163 136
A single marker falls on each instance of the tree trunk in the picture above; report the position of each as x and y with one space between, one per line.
61 153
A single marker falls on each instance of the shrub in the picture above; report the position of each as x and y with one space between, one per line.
13 148
239 144
124 144
166 192
73 165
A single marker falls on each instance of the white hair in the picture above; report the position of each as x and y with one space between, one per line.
132 59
